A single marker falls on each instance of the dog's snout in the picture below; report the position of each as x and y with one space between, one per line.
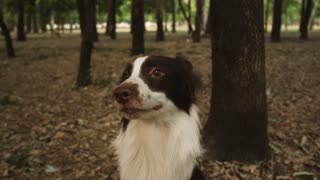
124 93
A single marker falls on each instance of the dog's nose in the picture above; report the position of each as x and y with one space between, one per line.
122 94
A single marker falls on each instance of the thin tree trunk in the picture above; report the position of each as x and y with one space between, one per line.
237 124
29 21
93 22
6 34
166 22
313 14
305 20
208 25
276 24
34 17
174 12
266 16
111 22
190 30
159 15
86 9
21 35
137 25
199 18
187 18
44 16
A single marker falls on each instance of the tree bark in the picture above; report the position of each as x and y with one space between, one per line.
34 16
208 24
266 16
6 33
237 124
86 11
276 24
111 22
187 18
93 23
307 7
159 16
21 35
199 18
190 30
174 12
313 14
137 25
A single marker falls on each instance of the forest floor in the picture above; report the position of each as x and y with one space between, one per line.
49 130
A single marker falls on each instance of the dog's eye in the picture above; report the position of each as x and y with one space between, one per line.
126 75
157 73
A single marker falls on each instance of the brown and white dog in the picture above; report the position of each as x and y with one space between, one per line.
160 134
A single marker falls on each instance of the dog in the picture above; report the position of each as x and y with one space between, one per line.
160 132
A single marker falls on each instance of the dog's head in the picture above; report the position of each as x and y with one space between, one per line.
153 86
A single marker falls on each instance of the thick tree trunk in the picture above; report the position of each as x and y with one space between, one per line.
137 25
266 16
187 18
208 24
21 35
199 18
276 24
159 16
6 34
237 124
111 22
174 12
86 11
307 7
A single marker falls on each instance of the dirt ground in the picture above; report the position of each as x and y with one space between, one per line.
49 130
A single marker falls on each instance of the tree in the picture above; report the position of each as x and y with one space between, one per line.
187 17
237 123
111 21
266 15
21 35
174 12
159 17
306 8
6 33
208 24
276 24
199 18
86 11
137 26
313 14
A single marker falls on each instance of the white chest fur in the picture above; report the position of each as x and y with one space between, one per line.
158 150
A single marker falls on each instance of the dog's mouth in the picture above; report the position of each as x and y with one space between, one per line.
134 110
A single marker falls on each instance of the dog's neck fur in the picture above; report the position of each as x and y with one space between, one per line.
160 149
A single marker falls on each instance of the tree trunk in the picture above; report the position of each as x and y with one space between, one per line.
190 30
111 22
6 34
208 25
159 16
93 22
34 16
29 21
21 35
187 18
137 25
266 16
305 19
313 14
237 124
44 13
199 18
86 11
276 24
174 12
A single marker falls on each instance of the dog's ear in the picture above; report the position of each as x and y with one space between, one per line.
192 79
126 73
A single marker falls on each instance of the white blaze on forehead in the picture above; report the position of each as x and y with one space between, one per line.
137 66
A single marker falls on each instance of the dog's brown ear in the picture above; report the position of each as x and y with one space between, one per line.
193 81
127 72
